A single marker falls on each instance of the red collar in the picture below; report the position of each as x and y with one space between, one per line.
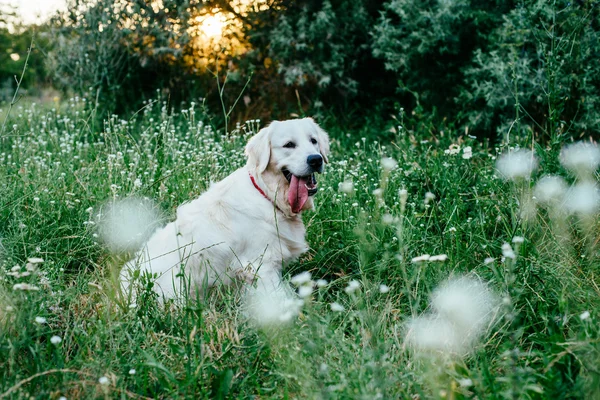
261 191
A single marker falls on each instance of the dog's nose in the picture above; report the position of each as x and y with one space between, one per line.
315 161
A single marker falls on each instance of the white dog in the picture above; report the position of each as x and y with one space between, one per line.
246 226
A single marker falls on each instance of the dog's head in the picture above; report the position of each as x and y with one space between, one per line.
285 156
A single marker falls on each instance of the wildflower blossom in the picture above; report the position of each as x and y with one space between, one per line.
463 307
336 307
429 197
40 320
387 219
384 288
517 164
508 252
321 283
301 278
467 152
518 239
581 158
346 187
25 287
35 260
388 164
55 339
132 371
550 189
440 257
352 287
465 382
584 315
103 380
305 291
126 223
583 198
403 194
272 306
452 150
424 257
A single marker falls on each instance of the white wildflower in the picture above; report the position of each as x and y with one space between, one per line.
352 287
103 380
126 224
467 152
424 257
346 187
35 260
388 164
507 251
452 150
465 382
301 278
137 183
387 219
25 287
489 260
518 239
429 197
40 320
584 315
440 257
583 198
550 189
384 288
430 332
581 158
272 306
305 291
466 302
132 371
403 194
452 229
518 164
336 307
321 283
55 339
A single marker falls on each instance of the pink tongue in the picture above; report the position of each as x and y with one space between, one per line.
298 193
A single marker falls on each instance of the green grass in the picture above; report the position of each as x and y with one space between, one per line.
58 169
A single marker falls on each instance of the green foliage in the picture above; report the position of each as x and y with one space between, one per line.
17 44
539 70
120 53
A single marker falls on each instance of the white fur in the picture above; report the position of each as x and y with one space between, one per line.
232 232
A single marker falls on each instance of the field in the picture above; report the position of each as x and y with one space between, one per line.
519 276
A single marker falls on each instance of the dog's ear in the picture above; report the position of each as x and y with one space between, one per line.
323 141
258 149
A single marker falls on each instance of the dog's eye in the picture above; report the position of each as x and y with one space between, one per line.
313 140
289 145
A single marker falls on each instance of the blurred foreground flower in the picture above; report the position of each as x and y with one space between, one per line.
550 190
583 199
463 308
581 158
125 224
517 164
272 307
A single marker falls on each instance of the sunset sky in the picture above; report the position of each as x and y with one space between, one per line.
31 10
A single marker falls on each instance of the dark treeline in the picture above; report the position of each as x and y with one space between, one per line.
482 66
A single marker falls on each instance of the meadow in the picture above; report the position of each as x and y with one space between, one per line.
414 229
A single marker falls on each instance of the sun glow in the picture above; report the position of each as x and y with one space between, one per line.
211 26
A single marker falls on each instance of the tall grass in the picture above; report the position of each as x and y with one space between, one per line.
434 193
